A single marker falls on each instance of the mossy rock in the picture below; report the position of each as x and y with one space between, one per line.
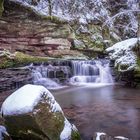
40 119
138 61
54 19
40 125
18 58
75 135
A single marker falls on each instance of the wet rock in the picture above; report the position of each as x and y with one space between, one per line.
11 79
35 114
58 73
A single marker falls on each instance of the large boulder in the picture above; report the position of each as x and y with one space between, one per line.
31 113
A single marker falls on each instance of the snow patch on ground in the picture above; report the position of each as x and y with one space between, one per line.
120 137
99 134
122 53
3 132
26 98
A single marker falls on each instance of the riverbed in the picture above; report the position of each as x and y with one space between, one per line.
112 109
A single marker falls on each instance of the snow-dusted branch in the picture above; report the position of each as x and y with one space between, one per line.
126 12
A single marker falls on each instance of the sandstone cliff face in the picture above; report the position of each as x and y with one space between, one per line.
20 32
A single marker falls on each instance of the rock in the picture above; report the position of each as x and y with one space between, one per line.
79 44
16 59
60 42
35 35
104 136
67 54
32 113
12 79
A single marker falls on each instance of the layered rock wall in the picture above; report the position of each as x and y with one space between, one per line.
33 37
23 30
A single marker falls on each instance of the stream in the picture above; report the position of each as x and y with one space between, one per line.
91 100
111 109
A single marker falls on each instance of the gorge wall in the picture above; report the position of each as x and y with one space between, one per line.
21 29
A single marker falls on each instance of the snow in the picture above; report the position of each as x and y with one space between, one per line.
66 133
120 137
99 134
26 98
3 131
122 53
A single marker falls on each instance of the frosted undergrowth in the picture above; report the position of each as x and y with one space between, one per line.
122 53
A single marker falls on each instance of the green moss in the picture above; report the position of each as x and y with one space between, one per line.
75 135
6 62
1 7
138 62
54 19
137 71
20 59
96 45
92 39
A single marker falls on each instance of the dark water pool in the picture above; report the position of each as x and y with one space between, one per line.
111 109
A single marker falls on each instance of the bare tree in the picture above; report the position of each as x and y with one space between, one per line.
50 7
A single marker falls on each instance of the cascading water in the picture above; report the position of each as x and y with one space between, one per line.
50 75
76 72
93 71
40 77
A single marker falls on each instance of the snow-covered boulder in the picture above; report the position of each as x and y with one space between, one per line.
123 54
32 113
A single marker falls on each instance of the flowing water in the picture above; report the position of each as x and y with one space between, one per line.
94 71
75 73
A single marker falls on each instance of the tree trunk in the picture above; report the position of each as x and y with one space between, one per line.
138 33
50 7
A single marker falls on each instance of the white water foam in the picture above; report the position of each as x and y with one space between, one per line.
93 72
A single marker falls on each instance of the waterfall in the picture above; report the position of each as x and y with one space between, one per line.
93 71
72 72
40 77
50 75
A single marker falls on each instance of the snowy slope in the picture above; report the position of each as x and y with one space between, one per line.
123 54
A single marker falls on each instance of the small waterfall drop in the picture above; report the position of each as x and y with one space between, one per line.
75 72
40 77
93 71
50 75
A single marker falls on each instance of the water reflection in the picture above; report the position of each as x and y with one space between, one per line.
110 109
